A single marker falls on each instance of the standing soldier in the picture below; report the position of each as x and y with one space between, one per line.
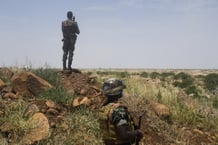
70 30
116 124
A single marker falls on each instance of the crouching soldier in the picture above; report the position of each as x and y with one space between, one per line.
116 124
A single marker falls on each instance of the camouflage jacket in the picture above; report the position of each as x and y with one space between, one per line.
112 116
70 28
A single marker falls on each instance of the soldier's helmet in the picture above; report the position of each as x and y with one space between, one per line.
69 14
113 87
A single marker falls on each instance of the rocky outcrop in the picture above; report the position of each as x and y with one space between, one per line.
28 84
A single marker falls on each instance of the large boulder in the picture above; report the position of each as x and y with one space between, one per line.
39 129
28 84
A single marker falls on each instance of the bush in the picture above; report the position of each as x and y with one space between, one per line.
211 81
144 74
215 102
186 80
154 75
192 90
58 95
167 74
48 74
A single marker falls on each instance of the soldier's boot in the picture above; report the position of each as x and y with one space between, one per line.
69 65
64 65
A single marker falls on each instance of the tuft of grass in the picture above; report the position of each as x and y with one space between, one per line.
58 95
80 126
13 122
48 74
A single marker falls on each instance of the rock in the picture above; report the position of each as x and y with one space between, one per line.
83 92
198 131
81 101
160 109
52 111
50 104
6 73
2 85
31 109
28 84
10 96
39 129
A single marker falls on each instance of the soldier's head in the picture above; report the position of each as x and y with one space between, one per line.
69 14
113 89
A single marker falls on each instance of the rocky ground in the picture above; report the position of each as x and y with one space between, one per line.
44 114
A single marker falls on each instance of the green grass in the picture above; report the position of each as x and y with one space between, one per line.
58 95
13 122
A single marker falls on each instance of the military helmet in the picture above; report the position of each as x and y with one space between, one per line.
69 14
113 87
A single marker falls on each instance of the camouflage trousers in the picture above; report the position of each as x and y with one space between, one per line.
68 49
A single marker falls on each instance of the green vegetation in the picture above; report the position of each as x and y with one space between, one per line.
144 74
58 95
80 126
211 82
13 121
48 74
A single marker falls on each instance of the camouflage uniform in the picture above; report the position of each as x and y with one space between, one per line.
70 30
112 116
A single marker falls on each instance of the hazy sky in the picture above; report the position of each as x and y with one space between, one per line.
179 34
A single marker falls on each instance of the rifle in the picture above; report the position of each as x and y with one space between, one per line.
138 127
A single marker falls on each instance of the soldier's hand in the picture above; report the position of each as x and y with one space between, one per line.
139 135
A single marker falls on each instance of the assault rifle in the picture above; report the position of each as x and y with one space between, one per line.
138 127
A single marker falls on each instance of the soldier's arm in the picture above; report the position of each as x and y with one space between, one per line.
77 28
124 134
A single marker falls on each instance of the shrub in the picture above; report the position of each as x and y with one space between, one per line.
192 90
144 74
215 102
58 95
154 75
186 80
48 74
167 74
211 81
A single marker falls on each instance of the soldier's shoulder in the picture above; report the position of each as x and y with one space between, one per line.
67 23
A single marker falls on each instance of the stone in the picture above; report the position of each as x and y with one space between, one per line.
160 109
50 104
28 84
39 129
2 85
10 95
31 109
81 101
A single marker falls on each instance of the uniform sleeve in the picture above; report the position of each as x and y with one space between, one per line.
77 28
120 116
